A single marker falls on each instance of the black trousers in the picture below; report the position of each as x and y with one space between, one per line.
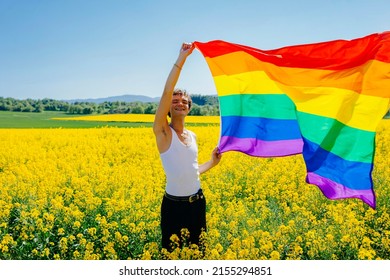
177 215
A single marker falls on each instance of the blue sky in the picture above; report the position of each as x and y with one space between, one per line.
66 49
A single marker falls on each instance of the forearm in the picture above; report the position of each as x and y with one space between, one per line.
206 166
173 77
215 159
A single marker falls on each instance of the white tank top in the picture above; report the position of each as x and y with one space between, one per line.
181 167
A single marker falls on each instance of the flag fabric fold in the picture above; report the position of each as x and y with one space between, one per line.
323 100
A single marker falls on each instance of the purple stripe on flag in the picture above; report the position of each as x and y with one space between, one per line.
333 190
260 148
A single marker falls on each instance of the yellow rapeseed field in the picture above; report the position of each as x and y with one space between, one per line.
96 194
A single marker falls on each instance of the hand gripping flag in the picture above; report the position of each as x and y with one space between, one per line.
323 100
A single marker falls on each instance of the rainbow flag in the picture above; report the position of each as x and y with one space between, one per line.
323 100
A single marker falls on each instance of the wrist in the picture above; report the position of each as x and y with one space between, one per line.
179 64
181 59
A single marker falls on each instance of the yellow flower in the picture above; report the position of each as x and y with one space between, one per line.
91 231
63 245
76 224
101 188
76 254
275 255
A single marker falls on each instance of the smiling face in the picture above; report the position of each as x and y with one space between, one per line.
181 103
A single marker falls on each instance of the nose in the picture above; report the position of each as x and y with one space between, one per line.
180 102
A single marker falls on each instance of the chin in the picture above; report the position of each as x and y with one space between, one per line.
180 113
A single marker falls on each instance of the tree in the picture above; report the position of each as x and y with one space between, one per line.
151 108
87 110
138 109
202 105
39 108
75 109
195 110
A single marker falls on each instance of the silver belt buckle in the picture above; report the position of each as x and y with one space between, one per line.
193 198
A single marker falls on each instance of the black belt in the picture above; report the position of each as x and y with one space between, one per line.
190 198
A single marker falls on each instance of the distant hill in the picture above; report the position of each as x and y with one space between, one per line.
123 98
196 98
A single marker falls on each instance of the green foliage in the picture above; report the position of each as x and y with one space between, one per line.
45 120
202 100
202 106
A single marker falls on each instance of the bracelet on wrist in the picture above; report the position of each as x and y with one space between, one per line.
177 66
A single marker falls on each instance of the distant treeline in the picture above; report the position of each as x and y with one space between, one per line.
202 106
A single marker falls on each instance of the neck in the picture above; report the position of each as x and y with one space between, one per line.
177 124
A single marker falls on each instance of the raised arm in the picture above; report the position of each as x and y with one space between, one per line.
160 125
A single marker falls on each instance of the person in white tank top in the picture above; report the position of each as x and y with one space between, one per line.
183 205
